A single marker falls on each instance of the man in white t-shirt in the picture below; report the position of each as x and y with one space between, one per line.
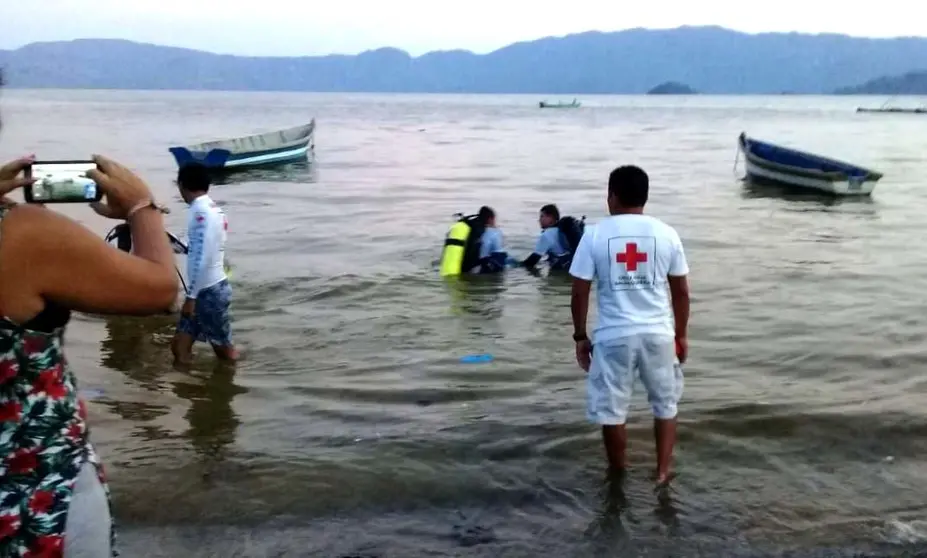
632 257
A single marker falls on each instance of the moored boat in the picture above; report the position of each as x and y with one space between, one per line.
800 169
559 104
896 110
271 148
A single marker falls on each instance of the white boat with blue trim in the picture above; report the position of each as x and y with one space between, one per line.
800 169
258 150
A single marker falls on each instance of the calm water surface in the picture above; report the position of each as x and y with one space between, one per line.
352 429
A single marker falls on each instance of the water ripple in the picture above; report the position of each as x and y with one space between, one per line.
352 429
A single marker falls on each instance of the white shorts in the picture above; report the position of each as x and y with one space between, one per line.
617 363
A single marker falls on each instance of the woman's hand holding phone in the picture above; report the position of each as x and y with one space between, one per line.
10 175
122 189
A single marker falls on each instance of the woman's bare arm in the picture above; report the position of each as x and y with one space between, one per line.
47 256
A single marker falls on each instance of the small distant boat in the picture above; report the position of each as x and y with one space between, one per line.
767 161
559 104
893 110
897 110
271 148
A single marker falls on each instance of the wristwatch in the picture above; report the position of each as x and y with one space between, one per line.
580 337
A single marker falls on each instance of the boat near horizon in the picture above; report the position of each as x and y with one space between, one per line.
247 152
799 169
896 110
559 104
885 108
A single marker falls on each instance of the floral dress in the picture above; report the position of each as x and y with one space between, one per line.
44 441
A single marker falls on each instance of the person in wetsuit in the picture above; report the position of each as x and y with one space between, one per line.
551 243
492 252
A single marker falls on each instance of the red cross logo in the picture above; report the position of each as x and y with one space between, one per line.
631 257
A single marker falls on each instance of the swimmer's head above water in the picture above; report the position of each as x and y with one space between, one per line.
548 216
487 216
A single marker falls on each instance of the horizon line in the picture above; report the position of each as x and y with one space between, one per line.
12 87
471 52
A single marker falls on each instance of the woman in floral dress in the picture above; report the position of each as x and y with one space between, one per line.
53 496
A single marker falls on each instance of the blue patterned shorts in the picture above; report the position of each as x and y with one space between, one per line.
210 322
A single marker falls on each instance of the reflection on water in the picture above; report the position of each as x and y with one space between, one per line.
212 420
362 433
305 171
758 188
140 349
477 295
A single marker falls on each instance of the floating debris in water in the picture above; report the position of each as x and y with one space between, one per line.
476 359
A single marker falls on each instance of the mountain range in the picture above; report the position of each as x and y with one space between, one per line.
711 60
911 83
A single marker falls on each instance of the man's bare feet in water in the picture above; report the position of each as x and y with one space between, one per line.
227 353
662 482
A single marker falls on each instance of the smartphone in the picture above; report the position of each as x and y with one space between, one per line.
61 182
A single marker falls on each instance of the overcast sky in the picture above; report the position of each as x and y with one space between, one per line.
300 27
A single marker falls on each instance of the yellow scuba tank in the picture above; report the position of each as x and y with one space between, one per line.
455 247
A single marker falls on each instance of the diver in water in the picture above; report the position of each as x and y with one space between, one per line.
558 240
473 245
492 253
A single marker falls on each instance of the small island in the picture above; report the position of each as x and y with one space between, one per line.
672 88
911 83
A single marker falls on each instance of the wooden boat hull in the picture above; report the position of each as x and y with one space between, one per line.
799 169
259 150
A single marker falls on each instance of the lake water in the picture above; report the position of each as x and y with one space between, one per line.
351 428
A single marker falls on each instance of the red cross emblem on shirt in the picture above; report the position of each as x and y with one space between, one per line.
631 257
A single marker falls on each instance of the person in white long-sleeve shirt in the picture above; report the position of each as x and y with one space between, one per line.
205 313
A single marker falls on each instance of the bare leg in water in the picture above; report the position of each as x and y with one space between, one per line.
616 443
664 432
182 347
227 353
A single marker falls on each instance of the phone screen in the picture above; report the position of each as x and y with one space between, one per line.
62 182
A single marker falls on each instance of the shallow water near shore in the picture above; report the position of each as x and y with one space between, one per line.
351 428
